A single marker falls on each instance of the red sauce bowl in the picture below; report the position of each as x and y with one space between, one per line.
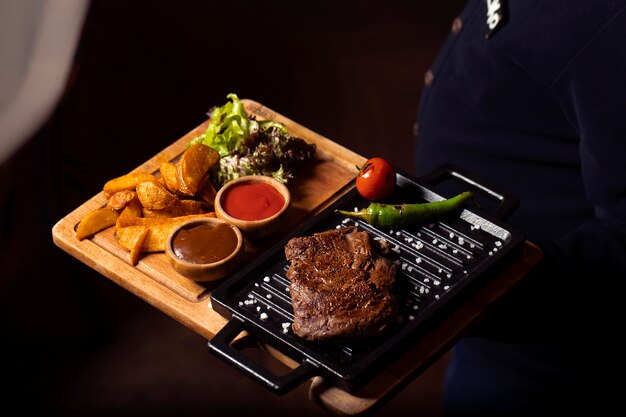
256 204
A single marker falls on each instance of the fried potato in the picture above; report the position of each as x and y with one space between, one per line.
193 167
168 176
180 208
135 250
155 196
96 221
133 209
121 199
125 182
157 237
155 221
207 193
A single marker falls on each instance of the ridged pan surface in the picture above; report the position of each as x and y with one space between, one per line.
436 261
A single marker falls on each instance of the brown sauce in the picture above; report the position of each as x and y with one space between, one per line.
204 243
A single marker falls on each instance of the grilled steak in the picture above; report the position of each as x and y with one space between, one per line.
340 285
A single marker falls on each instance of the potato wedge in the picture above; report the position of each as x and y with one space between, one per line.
96 221
155 196
133 209
125 182
121 199
155 221
193 167
135 250
168 176
207 193
155 240
127 236
180 208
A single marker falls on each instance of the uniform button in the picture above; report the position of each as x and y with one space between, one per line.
457 24
428 78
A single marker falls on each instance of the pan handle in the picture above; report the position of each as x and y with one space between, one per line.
220 345
507 202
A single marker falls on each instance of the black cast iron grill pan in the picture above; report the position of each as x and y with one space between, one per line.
438 262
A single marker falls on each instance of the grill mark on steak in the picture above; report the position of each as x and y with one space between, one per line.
340 285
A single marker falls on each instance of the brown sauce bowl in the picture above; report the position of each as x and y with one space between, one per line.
185 258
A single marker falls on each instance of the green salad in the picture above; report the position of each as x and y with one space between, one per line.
250 147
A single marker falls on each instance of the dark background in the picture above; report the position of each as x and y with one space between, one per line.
146 73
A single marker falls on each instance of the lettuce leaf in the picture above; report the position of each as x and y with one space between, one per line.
250 147
228 128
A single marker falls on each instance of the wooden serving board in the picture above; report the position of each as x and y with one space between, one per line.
311 191
187 301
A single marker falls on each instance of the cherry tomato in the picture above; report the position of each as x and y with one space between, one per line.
376 179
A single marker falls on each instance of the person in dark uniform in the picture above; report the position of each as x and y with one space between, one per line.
532 95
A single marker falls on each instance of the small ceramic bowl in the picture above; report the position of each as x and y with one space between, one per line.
205 249
247 203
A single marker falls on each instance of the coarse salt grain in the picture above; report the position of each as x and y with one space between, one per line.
263 316
266 279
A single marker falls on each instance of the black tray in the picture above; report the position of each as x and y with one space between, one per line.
438 261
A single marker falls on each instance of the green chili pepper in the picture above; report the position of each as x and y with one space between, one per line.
400 215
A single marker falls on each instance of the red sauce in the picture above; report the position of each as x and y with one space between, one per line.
252 201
